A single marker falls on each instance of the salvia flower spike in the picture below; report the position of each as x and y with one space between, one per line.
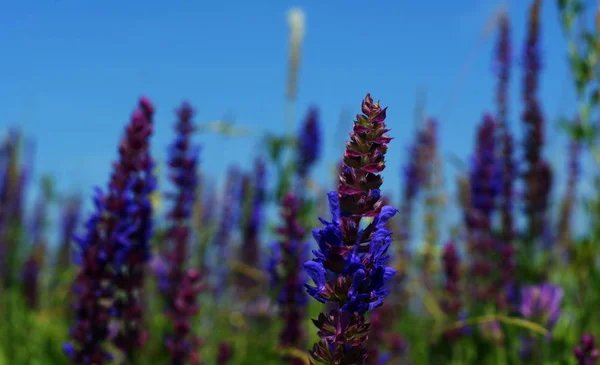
538 173
287 276
137 165
182 285
115 233
349 269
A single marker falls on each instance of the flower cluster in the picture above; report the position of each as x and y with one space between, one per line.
115 237
182 285
349 269
287 276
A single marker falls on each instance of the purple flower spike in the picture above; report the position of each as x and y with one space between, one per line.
114 249
230 204
349 269
181 286
538 173
485 185
287 275
14 174
250 248
452 303
506 149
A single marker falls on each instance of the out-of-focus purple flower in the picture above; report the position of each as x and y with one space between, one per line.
33 265
309 142
39 219
502 67
230 203
376 337
225 353
250 247
396 352
542 303
231 206
381 320
569 198
182 284
158 266
135 169
398 346
287 276
451 303
14 175
349 268
485 184
113 249
30 275
432 187
537 174
414 175
586 352
506 149
527 348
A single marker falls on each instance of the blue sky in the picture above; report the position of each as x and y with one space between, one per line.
72 70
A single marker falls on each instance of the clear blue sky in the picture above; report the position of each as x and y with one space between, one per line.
72 70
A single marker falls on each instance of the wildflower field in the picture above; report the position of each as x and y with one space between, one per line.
165 263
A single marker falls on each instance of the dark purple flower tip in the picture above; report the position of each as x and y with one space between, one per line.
309 142
586 352
146 105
